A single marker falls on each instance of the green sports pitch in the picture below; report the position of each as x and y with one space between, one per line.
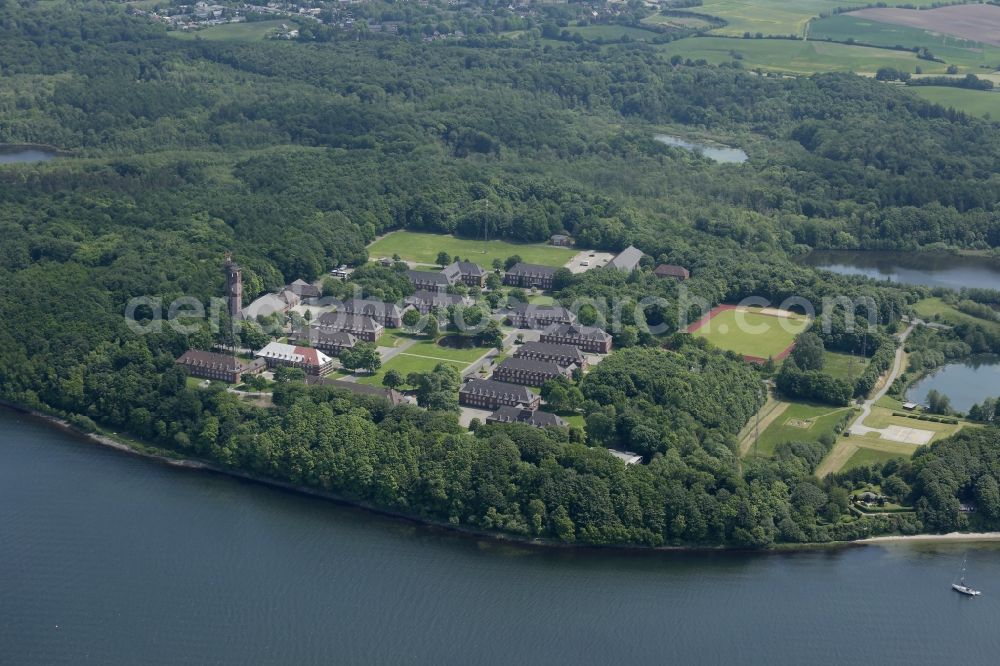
423 248
755 334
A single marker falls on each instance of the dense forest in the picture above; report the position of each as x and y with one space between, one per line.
296 155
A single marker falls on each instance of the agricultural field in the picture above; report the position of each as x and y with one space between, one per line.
965 53
676 21
773 17
797 56
983 103
750 332
972 21
842 366
611 33
799 422
864 456
423 248
231 32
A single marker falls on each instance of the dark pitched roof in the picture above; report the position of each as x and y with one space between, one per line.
534 311
493 388
530 365
205 359
433 298
316 336
392 395
303 289
549 349
576 331
433 277
371 307
532 270
339 320
670 270
464 268
511 414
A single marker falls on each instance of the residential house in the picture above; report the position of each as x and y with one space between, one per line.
562 355
536 418
424 301
627 260
678 273
528 315
209 365
313 361
360 326
325 339
588 338
387 314
490 394
527 276
429 280
529 371
465 272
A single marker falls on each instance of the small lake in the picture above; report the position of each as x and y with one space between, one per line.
965 383
722 154
25 154
951 271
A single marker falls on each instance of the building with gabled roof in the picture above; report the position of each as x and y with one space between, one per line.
325 339
529 315
210 365
678 273
387 314
424 301
312 360
392 395
563 355
304 290
360 326
588 338
530 372
532 417
530 276
627 260
466 272
430 280
491 394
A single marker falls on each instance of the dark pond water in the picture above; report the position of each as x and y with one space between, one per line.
965 383
926 269
111 559
24 154
722 154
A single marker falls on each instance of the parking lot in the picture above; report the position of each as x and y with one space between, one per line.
588 259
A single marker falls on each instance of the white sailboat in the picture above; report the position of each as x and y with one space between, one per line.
962 588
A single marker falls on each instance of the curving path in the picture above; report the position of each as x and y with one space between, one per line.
858 427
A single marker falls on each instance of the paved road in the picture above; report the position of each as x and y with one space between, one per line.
858 427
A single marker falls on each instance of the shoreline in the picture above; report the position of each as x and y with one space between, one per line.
499 538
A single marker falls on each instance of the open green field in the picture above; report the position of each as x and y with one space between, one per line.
406 364
231 32
983 103
935 309
675 21
430 348
421 357
865 456
841 366
612 33
797 56
965 53
775 17
881 418
752 333
789 426
423 248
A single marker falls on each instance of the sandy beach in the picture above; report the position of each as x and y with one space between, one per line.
951 536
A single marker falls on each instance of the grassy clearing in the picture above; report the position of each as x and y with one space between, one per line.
983 103
423 248
611 33
864 456
541 299
405 364
797 56
231 32
787 427
675 21
965 53
935 309
751 333
843 366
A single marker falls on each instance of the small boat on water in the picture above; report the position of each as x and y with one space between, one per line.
962 588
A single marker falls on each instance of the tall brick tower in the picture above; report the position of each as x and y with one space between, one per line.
234 286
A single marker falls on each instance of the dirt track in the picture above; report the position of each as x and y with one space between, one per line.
978 22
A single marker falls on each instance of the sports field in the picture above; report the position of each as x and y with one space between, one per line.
231 32
965 53
423 248
756 334
797 56
799 422
974 102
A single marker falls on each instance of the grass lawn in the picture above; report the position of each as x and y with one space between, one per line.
839 365
787 426
865 456
965 53
934 309
429 348
541 299
395 337
612 33
231 32
752 333
797 56
423 248
406 364
974 102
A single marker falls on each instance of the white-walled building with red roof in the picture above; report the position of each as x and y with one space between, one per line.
312 360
